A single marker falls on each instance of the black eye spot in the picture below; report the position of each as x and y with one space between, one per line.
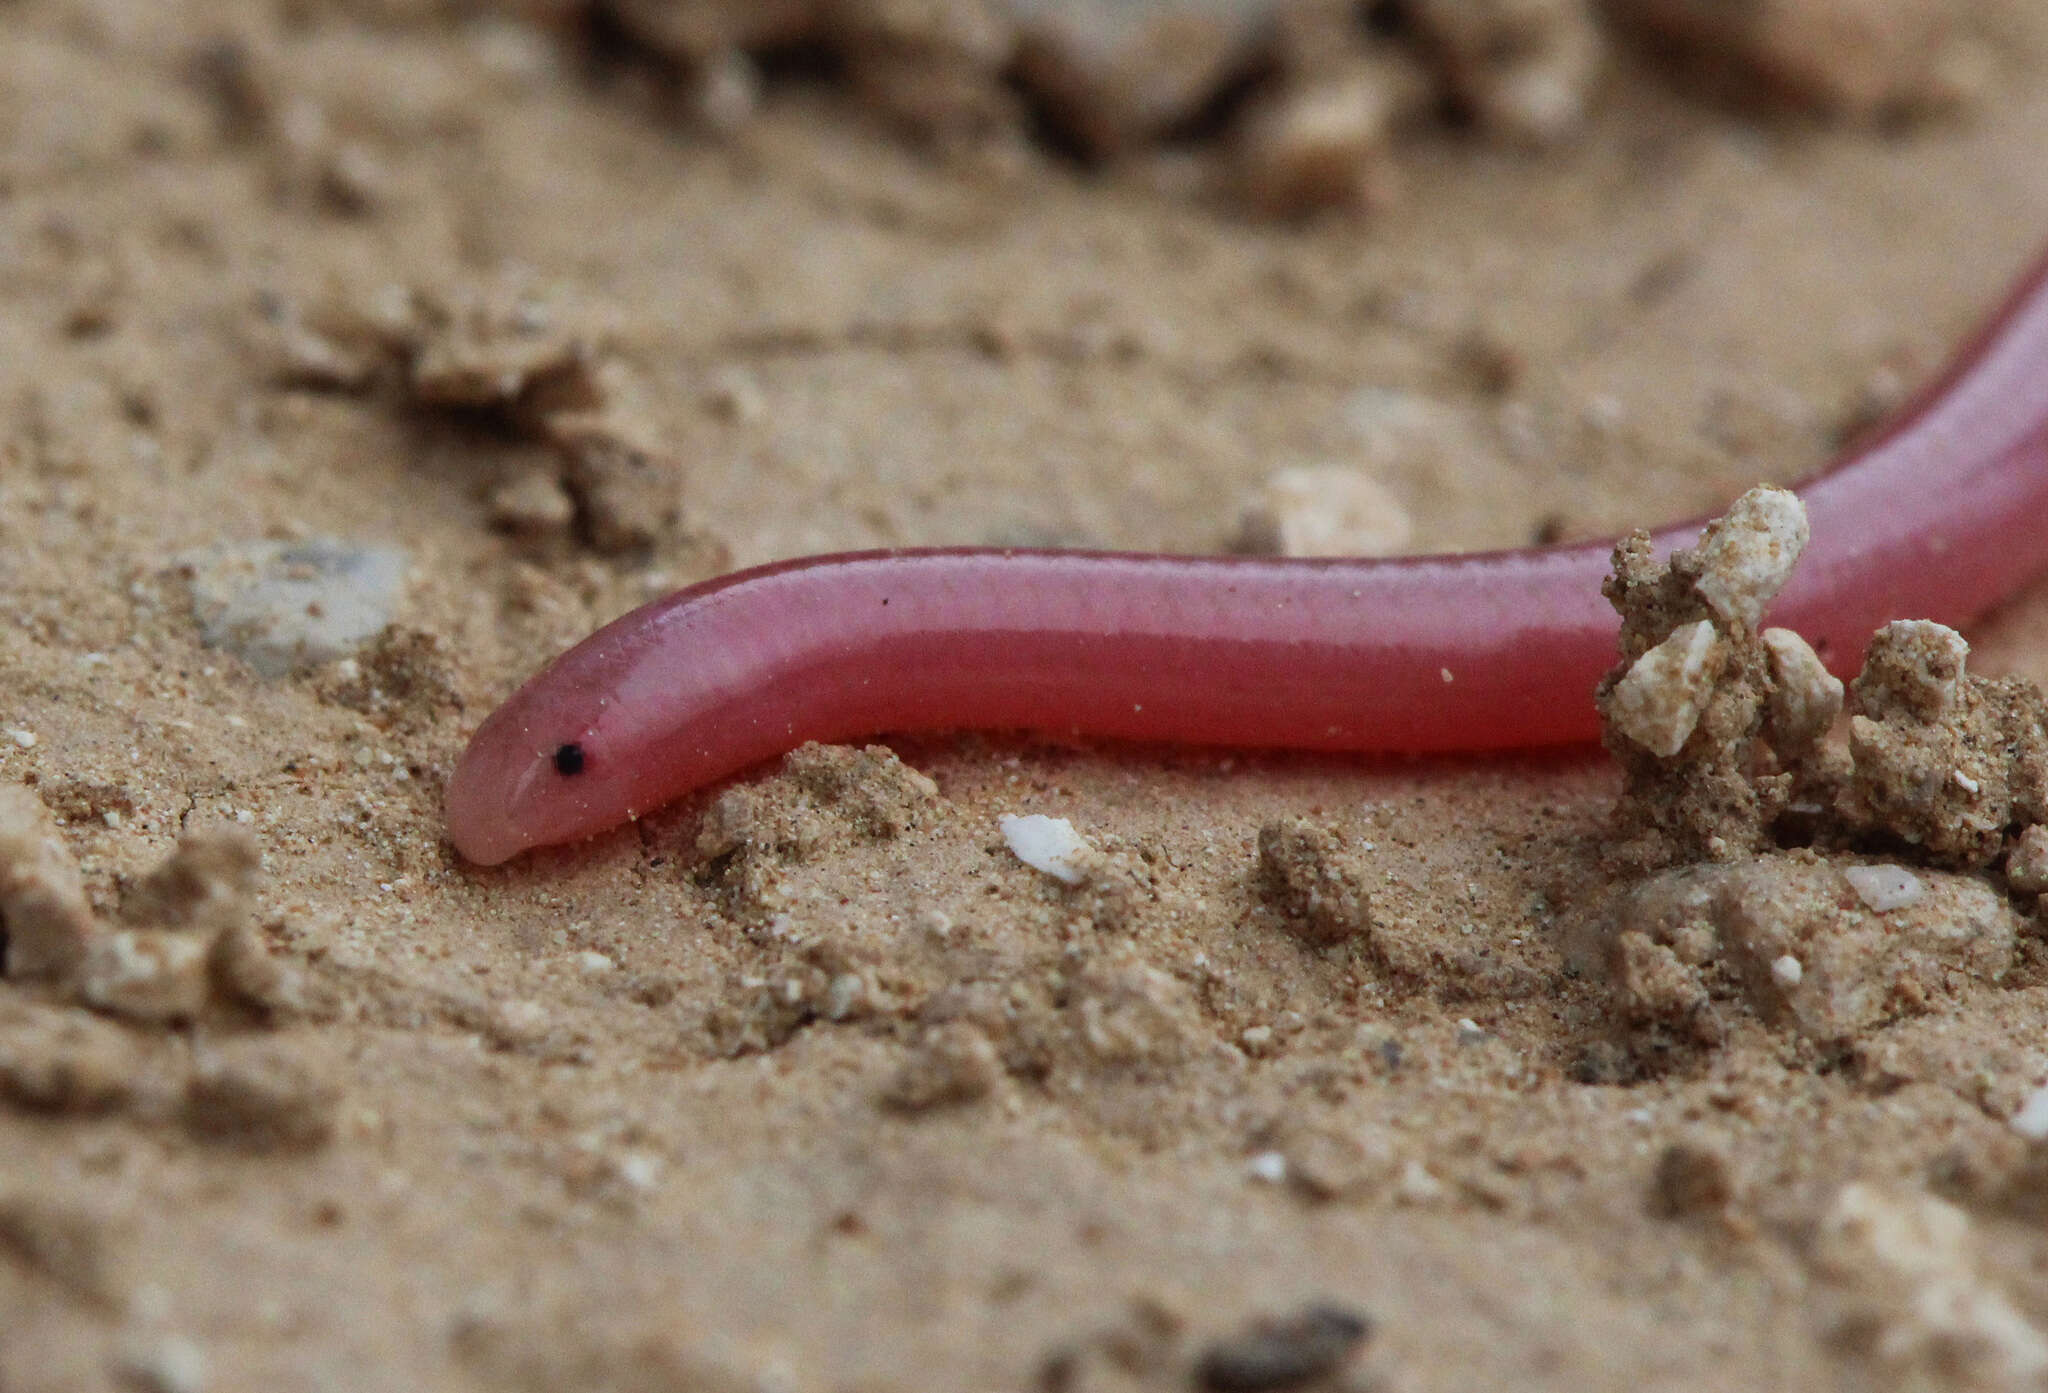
569 759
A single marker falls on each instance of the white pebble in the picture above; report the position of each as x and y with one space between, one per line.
1749 552
592 964
639 1169
1417 1186
1269 1166
2031 1121
24 738
1048 844
515 1023
1658 701
286 605
1787 971
1884 887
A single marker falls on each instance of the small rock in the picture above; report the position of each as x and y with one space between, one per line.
1658 702
1914 666
1885 887
1941 759
532 503
45 923
1322 144
1289 1352
61 1060
1525 69
1112 76
1129 1016
2026 863
1687 711
504 354
1327 1163
146 975
2031 1120
517 1024
243 971
953 1063
1048 844
627 492
309 357
1323 511
281 606
870 787
1806 699
1267 1167
1747 554
1692 1178
1418 1188
1657 986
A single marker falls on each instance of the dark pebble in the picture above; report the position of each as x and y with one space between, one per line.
1283 1353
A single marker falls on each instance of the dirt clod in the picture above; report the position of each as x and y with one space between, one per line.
952 1064
63 1060
1726 932
45 923
1692 1178
1320 882
260 1096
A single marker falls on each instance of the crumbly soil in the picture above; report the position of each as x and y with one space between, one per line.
1321 1071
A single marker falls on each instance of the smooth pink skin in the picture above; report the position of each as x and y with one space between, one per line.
1939 517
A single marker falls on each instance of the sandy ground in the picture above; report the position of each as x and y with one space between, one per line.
875 1106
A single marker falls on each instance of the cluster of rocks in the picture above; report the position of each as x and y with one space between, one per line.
185 940
1732 745
599 476
1307 97
85 1002
1722 727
